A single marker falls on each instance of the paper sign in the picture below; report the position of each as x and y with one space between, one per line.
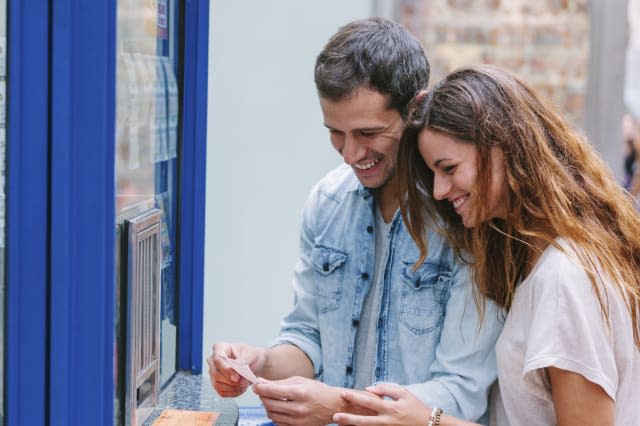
170 417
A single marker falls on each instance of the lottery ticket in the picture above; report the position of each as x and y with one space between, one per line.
242 368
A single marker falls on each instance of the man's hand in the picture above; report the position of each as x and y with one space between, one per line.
300 401
224 379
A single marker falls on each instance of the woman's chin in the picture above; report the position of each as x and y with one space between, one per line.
469 222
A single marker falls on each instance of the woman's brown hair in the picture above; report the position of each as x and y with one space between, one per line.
557 186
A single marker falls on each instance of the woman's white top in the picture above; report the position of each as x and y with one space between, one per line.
556 321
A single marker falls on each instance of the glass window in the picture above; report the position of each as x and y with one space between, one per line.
147 110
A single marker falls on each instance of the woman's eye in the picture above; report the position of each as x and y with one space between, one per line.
449 169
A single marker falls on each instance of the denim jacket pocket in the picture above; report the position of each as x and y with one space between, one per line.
424 295
329 273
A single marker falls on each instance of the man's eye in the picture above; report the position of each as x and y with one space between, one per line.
368 134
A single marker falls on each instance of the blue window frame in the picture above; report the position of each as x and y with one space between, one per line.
191 209
26 342
60 208
82 212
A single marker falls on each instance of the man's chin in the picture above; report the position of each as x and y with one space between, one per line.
374 183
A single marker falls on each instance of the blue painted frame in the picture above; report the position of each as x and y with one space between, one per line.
26 342
192 184
82 214
60 211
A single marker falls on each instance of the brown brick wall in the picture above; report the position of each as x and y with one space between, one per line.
546 42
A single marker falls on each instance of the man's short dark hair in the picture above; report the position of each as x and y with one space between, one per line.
375 53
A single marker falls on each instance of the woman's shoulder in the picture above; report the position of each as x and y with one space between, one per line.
561 259
562 272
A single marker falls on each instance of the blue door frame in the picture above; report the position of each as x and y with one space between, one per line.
60 208
26 343
192 204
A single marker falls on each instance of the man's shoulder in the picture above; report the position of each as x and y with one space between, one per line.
338 182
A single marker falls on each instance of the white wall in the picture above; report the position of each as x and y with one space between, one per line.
266 148
632 83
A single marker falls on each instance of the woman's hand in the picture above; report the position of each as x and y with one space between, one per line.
400 407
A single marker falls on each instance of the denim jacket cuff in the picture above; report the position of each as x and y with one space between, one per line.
311 350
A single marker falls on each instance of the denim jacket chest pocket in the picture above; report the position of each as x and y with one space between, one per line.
328 264
424 296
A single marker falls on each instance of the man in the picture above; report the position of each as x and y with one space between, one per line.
362 312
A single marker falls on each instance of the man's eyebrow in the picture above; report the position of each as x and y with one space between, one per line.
364 129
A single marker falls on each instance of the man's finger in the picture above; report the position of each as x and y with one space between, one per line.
274 391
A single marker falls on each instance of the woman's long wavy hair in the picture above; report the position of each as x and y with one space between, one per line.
557 187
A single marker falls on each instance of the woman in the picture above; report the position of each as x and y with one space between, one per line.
549 235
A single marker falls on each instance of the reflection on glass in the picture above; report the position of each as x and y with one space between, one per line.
3 138
146 129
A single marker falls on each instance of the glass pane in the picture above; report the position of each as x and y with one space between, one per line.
3 138
147 102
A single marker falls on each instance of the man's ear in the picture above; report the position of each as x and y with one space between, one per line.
414 105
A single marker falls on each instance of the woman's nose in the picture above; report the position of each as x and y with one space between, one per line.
441 187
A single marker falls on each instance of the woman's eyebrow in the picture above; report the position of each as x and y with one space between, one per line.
437 162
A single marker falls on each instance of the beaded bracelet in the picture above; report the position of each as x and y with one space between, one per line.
434 420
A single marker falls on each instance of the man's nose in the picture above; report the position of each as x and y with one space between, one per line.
441 187
352 151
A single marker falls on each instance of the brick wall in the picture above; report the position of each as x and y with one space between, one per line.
546 42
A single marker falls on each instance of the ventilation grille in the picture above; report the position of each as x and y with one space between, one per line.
143 315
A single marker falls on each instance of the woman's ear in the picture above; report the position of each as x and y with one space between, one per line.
414 108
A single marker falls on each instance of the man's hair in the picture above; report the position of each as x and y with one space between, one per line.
557 186
374 53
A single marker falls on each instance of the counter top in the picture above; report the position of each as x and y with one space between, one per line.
189 392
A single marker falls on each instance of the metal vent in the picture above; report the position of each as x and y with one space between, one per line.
143 316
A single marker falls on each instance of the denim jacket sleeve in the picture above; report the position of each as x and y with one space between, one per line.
465 364
300 326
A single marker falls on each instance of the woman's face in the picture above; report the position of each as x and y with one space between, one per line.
455 169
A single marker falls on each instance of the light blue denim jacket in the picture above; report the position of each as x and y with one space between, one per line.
429 333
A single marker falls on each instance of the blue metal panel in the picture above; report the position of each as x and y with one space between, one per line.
27 239
192 184
81 384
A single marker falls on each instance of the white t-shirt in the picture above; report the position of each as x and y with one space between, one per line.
556 321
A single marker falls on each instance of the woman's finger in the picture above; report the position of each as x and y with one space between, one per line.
346 419
388 389
373 403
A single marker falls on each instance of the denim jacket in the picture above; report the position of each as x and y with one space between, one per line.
429 333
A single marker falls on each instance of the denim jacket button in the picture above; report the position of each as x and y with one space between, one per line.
355 322
377 371
365 276
379 322
370 229
349 369
325 266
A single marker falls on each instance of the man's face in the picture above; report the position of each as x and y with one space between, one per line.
366 133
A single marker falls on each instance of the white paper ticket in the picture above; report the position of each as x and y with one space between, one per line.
242 368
